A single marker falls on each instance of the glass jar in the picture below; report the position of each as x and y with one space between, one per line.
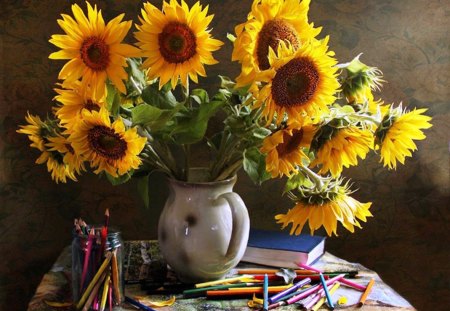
80 246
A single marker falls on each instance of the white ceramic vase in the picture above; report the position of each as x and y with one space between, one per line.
203 229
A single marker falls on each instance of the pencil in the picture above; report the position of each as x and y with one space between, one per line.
322 299
313 290
266 293
105 292
327 294
203 290
366 293
246 290
115 276
304 266
291 289
87 256
92 295
138 304
94 280
222 281
353 284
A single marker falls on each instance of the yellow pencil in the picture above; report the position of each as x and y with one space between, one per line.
105 292
229 280
94 280
366 292
322 300
115 276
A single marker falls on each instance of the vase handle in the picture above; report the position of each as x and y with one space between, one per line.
241 226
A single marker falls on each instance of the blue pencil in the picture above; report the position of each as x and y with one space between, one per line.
266 293
327 293
138 304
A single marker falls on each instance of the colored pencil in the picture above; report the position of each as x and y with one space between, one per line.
366 293
94 280
246 290
291 289
222 281
138 304
110 299
203 290
350 273
323 298
115 276
93 294
266 293
353 284
87 256
327 294
304 266
313 290
105 292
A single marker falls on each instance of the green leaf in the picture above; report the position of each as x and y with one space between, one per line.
295 182
255 165
163 99
145 114
142 187
156 119
192 126
119 180
200 96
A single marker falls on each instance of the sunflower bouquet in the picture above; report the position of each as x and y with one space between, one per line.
293 112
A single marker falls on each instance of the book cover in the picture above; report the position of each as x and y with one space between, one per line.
279 249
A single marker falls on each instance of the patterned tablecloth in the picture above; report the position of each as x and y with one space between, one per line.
144 265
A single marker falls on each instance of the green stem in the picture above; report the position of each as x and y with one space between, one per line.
317 179
230 171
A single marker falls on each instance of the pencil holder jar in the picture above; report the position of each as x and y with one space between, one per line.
97 266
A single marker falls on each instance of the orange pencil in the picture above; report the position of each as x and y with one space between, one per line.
366 293
246 290
271 271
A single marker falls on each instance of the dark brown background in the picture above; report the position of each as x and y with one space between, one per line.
406 242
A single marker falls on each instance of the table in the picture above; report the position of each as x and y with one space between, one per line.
144 263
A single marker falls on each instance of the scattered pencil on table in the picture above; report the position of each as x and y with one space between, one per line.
366 293
327 294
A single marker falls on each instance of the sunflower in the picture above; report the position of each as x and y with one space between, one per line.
176 42
284 149
43 135
397 132
341 148
333 205
35 129
73 161
59 170
301 83
269 23
74 97
108 147
94 50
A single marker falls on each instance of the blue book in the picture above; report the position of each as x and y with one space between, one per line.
280 249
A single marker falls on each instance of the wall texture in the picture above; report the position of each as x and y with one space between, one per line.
407 240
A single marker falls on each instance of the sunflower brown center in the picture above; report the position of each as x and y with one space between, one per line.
271 34
95 53
290 143
105 142
90 105
295 83
177 42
